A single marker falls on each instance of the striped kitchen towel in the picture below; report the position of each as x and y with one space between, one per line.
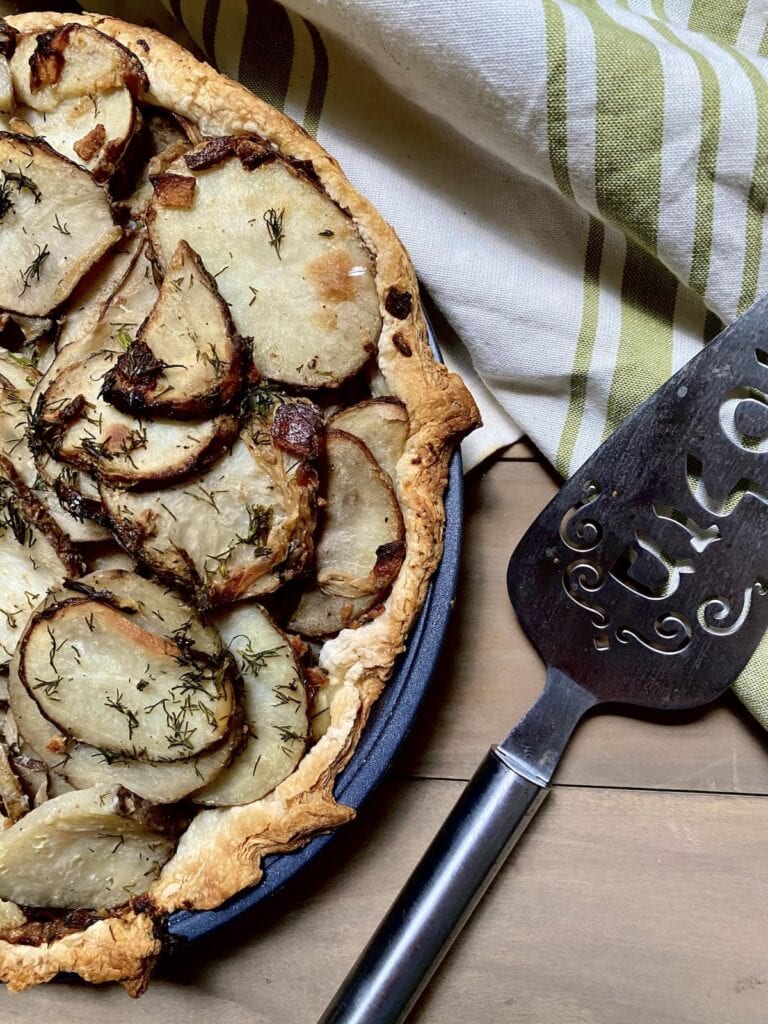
582 184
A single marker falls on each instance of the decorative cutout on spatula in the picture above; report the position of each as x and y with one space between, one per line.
655 546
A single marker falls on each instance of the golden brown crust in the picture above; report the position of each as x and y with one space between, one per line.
221 851
122 949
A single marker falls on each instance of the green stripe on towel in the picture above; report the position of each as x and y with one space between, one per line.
585 344
267 53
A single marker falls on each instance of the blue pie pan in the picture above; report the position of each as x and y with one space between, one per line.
389 723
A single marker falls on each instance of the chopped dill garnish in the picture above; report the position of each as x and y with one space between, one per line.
205 496
255 661
6 203
117 704
32 273
274 223
259 524
21 181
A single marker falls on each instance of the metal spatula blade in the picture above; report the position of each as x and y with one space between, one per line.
645 581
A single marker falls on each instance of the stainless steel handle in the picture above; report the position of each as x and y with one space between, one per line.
436 901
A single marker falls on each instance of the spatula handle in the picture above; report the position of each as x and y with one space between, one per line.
436 901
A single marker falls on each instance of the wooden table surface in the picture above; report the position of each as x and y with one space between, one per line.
639 895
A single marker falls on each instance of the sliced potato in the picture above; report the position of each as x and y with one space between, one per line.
103 679
299 279
116 627
361 543
152 607
16 387
69 62
30 339
71 496
165 139
83 765
76 88
40 262
75 424
165 129
187 360
14 800
275 706
109 556
17 381
382 426
121 841
32 772
127 307
238 530
34 556
88 302
107 315
20 333
92 131
322 615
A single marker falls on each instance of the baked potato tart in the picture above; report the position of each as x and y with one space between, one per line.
224 442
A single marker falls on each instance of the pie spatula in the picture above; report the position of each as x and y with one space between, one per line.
645 582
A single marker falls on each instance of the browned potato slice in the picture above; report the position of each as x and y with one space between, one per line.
165 129
103 679
32 772
166 137
109 307
75 424
83 765
71 496
360 548
14 800
16 386
299 279
69 62
20 333
382 426
238 530
187 360
321 615
34 556
92 131
123 841
17 382
275 706
75 88
40 264
30 339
